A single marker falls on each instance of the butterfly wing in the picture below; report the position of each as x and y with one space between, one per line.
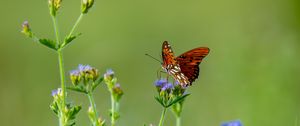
189 62
167 55
171 66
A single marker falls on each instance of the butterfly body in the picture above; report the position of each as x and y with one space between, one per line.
184 68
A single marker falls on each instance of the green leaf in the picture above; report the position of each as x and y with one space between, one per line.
77 89
69 39
49 43
74 111
177 99
160 100
97 82
54 108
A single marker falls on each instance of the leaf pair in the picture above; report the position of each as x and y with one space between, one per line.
169 102
54 45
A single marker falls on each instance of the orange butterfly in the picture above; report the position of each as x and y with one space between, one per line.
184 68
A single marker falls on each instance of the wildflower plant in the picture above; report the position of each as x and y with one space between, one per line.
85 79
116 93
66 112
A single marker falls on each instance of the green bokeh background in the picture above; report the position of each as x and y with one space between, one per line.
251 74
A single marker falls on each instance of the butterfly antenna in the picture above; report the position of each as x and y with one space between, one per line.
153 58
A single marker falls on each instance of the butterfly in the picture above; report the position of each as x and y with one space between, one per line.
184 68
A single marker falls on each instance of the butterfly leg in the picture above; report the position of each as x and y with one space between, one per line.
167 77
158 73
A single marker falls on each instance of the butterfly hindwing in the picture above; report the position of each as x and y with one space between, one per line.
190 60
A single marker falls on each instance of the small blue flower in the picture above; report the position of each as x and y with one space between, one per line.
109 75
26 29
167 86
109 72
75 73
84 68
56 92
232 123
75 77
118 85
161 82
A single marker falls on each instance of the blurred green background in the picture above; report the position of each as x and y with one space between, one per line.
251 74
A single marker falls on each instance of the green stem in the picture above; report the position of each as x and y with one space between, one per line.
162 117
76 24
113 121
93 104
56 30
178 121
62 74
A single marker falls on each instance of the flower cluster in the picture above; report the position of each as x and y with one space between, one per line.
169 93
86 74
85 79
69 112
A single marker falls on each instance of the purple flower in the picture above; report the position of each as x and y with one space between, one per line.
118 85
26 29
232 123
74 73
75 77
160 83
109 75
167 86
109 72
56 92
25 24
84 68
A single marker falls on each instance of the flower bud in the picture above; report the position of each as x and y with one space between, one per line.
91 113
101 122
54 5
26 29
117 92
109 75
86 5
75 77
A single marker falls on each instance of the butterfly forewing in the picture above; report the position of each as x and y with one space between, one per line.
171 66
190 60
167 55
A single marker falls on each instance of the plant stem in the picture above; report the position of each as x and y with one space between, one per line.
178 121
62 73
92 103
63 88
75 25
113 121
62 76
162 117
56 30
